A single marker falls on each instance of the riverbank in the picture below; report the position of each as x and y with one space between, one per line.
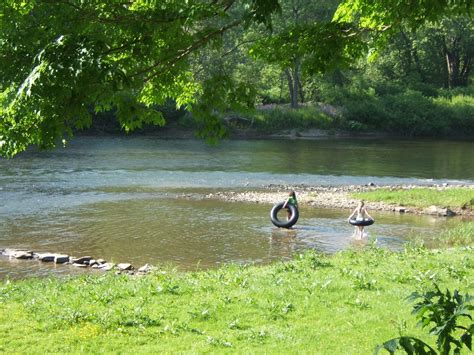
346 303
428 199
448 117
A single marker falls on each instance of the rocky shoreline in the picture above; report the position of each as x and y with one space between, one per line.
80 262
339 197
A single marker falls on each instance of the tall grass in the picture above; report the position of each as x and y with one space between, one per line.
283 117
462 234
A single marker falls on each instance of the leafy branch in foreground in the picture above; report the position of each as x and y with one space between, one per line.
445 310
63 62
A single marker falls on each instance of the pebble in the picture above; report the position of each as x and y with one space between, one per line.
61 259
22 254
145 268
92 262
82 260
106 266
439 211
46 257
79 265
124 266
10 252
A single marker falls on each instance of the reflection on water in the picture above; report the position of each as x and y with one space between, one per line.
116 197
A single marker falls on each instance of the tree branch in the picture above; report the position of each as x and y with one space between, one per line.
177 56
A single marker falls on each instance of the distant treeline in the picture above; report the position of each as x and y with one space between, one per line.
356 108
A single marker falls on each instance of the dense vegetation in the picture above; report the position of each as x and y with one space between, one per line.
402 67
348 303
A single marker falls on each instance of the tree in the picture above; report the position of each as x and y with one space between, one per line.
62 61
455 36
297 13
283 46
439 54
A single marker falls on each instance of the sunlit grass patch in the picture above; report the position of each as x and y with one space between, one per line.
421 197
282 117
346 303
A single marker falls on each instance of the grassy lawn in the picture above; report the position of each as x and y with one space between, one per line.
421 197
342 304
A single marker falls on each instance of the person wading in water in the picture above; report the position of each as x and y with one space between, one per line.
359 214
291 201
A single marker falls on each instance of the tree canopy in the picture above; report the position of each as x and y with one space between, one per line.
62 62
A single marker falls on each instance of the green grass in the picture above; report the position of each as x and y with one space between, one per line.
421 197
461 234
283 117
342 304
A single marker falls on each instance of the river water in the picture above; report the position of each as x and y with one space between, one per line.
122 198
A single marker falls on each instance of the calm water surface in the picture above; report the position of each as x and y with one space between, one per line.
121 199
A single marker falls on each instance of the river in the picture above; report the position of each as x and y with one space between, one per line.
122 198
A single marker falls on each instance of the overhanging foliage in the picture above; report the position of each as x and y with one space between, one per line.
62 62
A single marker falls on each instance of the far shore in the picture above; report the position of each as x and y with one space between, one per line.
339 197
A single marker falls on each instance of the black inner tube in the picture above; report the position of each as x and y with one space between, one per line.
286 223
363 222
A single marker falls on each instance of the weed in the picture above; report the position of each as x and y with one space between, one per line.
168 288
278 310
218 342
358 303
445 310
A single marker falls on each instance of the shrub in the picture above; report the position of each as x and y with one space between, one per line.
446 311
419 111
460 109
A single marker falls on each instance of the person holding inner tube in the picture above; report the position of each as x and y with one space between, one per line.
291 201
360 214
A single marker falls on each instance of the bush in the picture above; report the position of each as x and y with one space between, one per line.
415 114
445 310
390 107
460 110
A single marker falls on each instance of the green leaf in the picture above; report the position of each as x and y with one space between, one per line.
410 345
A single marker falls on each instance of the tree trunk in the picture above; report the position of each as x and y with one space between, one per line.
296 79
294 84
294 75
458 67
301 92
465 71
452 62
291 88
